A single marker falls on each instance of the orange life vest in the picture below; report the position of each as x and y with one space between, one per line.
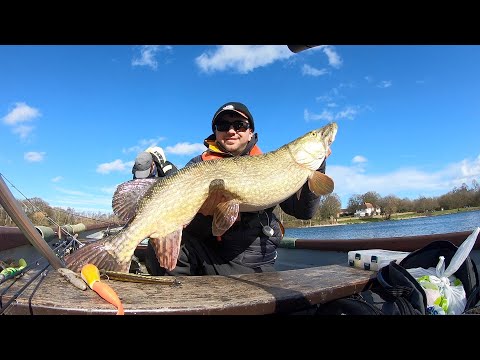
214 153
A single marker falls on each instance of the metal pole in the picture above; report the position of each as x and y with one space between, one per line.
14 210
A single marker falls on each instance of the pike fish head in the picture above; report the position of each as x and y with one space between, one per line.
311 149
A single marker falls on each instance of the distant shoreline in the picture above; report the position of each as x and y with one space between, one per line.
379 218
337 224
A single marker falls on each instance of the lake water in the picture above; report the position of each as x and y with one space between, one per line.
464 221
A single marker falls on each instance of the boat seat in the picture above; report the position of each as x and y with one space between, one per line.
277 292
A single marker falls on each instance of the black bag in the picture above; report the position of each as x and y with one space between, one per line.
395 292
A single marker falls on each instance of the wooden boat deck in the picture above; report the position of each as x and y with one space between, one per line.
310 272
248 294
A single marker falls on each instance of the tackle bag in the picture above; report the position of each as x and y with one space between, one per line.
394 291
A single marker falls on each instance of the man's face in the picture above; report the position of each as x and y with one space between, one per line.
234 141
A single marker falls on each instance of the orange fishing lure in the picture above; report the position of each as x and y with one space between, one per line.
91 275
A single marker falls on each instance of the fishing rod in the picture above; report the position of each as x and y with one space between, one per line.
26 268
11 272
13 209
19 292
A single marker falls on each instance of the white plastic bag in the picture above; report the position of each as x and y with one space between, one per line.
445 293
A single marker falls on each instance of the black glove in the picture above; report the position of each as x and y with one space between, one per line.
323 167
166 168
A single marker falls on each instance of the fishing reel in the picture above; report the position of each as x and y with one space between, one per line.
67 245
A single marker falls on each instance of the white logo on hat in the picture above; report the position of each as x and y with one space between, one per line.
228 107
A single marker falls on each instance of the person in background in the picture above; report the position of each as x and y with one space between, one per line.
250 245
152 163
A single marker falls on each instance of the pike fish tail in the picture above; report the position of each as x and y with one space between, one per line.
106 254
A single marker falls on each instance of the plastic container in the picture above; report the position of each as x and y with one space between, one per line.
374 259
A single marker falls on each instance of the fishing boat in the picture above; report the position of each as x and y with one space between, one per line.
310 272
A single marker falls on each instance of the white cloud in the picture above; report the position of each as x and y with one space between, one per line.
34 156
83 202
70 192
309 70
329 116
186 148
116 165
325 98
57 179
470 168
359 159
143 144
246 58
241 58
148 55
21 114
23 131
385 84
333 58
325 115
335 93
347 113
404 182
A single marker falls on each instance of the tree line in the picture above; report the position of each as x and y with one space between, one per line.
41 213
330 205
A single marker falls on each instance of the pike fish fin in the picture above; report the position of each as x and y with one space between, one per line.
216 195
224 216
96 254
210 204
167 249
320 184
125 198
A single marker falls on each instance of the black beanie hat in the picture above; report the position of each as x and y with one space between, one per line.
237 107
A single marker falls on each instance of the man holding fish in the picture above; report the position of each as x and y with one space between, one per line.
215 215
249 244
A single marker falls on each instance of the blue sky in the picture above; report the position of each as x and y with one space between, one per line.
73 118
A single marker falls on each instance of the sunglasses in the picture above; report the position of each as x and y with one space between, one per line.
237 125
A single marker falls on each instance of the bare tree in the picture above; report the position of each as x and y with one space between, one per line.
371 197
330 206
389 205
355 203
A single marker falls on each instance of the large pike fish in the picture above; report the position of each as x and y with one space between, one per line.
160 208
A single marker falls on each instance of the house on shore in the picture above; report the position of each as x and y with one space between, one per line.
367 210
